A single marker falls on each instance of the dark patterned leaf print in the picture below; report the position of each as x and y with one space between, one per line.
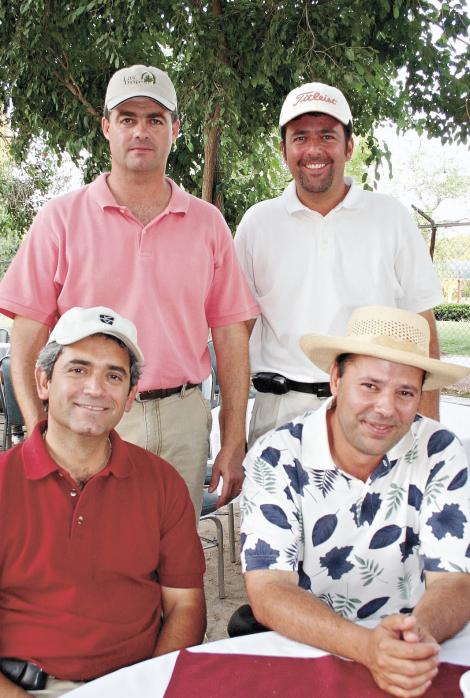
415 497
372 607
412 454
304 580
242 540
297 475
459 480
261 556
336 562
467 552
450 520
294 430
324 528
411 541
433 564
271 455
439 441
385 536
275 515
370 506
288 493
382 469
325 480
435 469
291 556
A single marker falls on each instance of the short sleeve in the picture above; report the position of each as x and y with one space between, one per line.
181 563
271 534
445 510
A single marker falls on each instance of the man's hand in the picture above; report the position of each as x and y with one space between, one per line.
228 465
402 657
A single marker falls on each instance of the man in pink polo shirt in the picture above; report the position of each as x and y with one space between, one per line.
133 240
101 564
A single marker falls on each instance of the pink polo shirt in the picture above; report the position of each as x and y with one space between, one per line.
175 277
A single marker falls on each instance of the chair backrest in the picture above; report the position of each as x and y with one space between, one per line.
215 392
13 412
4 335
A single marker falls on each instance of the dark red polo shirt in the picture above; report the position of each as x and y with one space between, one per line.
80 571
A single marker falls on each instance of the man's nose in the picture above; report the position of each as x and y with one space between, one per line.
385 403
93 385
140 129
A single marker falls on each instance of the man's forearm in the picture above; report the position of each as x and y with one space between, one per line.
184 627
10 690
231 348
27 338
298 614
444 608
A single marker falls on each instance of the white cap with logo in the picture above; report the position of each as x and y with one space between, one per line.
141 81
77 323
315 96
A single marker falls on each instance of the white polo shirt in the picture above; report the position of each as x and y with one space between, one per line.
308 272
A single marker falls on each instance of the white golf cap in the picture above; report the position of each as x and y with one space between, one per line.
77 323
141 81
315 96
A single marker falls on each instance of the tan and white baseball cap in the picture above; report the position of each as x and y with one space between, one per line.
77 323
141 81
385 333
315 96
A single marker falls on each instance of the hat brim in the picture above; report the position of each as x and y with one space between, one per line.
116 101
306 108
322 351
100 329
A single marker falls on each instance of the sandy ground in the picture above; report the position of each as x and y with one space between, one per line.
220 610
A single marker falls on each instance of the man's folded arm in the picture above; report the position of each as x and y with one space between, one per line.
401 668
444 608
184 619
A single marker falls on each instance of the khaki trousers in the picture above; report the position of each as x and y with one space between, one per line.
271 411
177 428
55 688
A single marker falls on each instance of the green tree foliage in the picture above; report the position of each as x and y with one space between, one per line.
22 192
233 62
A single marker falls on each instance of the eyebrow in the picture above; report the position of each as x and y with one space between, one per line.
403 386
109 367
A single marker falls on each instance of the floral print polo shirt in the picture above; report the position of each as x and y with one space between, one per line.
361 547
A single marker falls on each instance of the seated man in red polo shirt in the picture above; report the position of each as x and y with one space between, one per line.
100 562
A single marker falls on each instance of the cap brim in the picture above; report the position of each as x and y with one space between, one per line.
113 103
102 329
322 351
306 108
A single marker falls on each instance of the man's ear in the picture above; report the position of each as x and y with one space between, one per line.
130 398
334 379
349 148
42 383
283 149
105 127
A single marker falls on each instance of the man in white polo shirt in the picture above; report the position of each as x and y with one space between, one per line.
317 252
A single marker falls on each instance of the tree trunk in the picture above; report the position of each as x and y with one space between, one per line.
211 153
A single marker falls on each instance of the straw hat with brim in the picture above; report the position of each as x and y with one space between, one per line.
385 333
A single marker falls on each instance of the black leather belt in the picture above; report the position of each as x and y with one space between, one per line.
279 385
163 392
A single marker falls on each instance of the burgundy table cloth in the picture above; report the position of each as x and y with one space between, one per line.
204 675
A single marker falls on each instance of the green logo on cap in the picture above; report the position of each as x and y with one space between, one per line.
148 77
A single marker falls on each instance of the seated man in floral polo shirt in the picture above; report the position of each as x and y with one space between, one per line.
361 510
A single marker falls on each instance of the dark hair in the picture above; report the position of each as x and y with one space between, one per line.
343 359
173 114
347 128
341 362
50 353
